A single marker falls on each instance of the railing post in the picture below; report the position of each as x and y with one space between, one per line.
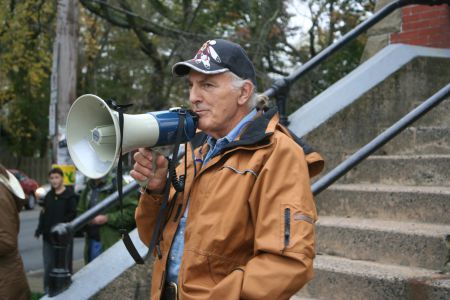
62 236
282 86
60 277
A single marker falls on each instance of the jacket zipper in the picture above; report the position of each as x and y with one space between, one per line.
287 226
177 214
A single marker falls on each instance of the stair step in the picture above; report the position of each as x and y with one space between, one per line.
341 278
403 243
429 170
426 204
419 140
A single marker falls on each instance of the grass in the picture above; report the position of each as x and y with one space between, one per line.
36 295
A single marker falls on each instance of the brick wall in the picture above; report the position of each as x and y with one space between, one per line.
424 26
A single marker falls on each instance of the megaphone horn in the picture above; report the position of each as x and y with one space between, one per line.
93 133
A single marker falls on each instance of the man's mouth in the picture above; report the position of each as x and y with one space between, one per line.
200 111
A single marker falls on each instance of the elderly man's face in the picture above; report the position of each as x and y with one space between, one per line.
219 105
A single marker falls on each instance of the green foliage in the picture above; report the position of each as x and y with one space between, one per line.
127 48
331 19
167 32
36 296
25 63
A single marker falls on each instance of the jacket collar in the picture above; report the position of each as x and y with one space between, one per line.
258 130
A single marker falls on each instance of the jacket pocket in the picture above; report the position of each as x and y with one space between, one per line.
240 172
297 232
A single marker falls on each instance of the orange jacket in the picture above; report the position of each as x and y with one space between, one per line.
250 224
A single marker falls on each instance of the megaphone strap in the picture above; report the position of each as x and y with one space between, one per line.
178 185
125 236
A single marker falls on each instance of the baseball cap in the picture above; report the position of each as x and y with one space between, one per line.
218 56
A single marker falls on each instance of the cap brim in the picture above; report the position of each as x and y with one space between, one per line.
183 68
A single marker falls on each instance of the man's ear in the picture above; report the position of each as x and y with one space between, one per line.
246 92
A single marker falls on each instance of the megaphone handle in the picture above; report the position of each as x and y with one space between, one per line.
144 183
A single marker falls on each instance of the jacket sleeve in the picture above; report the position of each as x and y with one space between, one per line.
40 223
71 208
82 202
146 214
40 227
283 214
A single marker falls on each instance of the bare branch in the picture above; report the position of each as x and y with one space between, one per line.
163 10
105 10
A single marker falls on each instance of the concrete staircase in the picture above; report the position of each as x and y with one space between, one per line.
384 229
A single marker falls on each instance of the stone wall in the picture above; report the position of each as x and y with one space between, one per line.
134 283
381 107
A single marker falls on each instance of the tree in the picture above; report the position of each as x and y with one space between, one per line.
127 48
170 31
330 19
25 63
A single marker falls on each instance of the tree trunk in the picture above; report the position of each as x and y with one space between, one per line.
64 70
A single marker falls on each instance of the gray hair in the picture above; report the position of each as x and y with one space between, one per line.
237 83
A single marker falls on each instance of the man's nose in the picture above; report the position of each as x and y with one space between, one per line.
194 95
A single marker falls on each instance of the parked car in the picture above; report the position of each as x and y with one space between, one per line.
29 187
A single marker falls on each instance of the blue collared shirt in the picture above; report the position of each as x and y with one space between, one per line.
215 146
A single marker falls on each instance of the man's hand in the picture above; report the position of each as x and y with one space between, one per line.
143 170
100 220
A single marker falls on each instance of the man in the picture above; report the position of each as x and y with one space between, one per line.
103 230
13 282
59 206
244 226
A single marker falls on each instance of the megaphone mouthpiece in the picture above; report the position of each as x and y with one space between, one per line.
104 135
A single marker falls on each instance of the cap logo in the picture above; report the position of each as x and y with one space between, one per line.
205 52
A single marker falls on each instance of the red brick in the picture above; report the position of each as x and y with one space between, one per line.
425 15
414 9
427 8
443 20
437 40
418 32
432 26
407 26
400 39
440 37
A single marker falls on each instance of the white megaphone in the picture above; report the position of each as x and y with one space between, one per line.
93 133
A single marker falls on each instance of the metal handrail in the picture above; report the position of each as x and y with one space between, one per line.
62 234
281 86
380 140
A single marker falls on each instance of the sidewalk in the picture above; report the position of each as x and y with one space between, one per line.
36 281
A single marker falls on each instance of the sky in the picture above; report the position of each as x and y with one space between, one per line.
301 18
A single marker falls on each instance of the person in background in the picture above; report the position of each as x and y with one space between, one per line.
13 281
103 231
59 206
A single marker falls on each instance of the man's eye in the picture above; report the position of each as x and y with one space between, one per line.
208 85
